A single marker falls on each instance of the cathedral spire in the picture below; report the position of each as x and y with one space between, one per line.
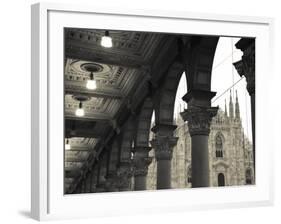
230 106
225 108
237 109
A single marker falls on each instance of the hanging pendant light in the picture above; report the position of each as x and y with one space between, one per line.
91 83
106 40
80 111
67 145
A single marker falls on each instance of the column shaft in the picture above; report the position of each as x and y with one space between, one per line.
141 162
163 174
200 161
140 183
124 175
163 144
199 121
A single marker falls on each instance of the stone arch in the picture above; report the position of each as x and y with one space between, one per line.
198 62
165 98
144 123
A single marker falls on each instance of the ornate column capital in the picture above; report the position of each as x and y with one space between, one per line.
141 165
125 168
163 146
246 66
124 174
199 119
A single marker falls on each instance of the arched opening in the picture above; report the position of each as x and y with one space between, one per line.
221 180
249 176
189 178
225 79
180 105
179 161
219 146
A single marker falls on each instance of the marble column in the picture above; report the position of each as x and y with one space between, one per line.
246 67
163 143
199 116
141 162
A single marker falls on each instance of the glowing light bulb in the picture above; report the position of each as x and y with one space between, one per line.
106 40
91 83
67 145
80 111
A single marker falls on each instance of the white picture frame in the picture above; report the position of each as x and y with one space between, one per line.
48 200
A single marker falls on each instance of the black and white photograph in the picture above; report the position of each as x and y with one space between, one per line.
151 110
121 112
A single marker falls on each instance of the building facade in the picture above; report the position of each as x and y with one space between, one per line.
230 153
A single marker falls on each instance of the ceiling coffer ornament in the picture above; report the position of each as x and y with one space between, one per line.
77 72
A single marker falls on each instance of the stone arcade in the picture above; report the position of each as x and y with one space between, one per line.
107 128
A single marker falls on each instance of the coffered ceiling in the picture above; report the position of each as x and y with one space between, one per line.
118 71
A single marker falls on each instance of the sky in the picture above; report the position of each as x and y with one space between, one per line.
224 76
